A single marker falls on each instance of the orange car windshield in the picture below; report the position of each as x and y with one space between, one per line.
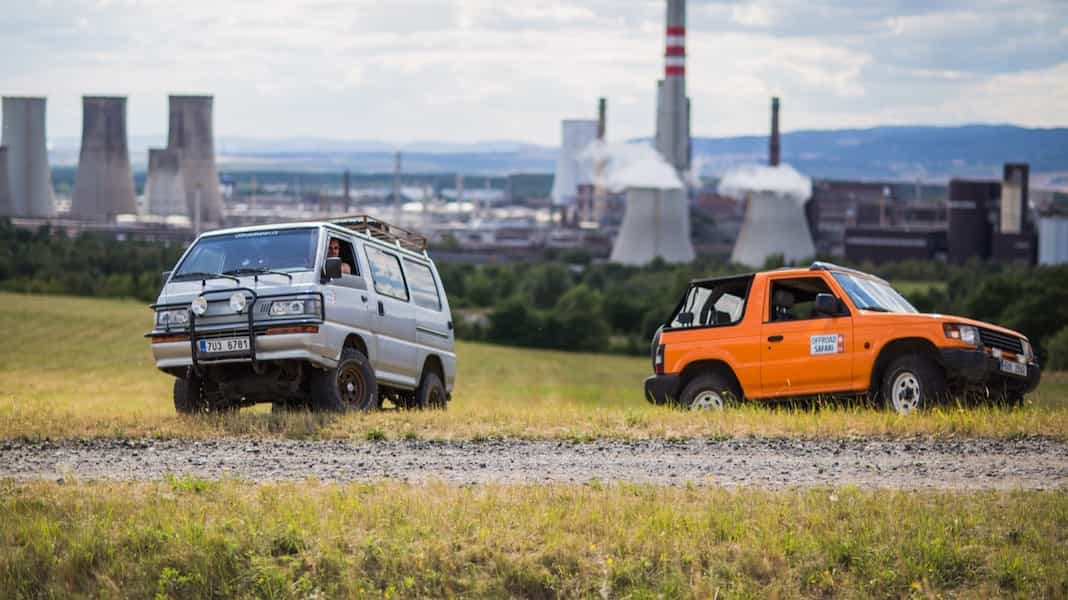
870 294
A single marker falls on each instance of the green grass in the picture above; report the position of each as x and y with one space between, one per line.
187 538
75 367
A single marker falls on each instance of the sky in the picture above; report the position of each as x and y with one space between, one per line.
405 71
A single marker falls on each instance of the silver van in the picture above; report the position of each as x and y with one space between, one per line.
333 316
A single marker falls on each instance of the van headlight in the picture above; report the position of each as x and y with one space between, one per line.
1028 351
965 333
172 318
294 307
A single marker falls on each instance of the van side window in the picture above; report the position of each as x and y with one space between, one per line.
794 299
386 273
424 288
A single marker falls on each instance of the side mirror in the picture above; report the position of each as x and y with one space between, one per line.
332 268
685 318
826 304
164 277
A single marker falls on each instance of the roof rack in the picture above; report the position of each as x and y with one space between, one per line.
382 231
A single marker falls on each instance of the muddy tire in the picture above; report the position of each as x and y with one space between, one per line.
910 383
350 386
431 394
710 391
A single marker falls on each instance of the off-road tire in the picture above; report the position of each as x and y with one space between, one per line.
431 394
912 382
709 391
196 396
350 386
189 397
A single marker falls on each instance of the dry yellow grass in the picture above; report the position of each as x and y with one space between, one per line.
188 538
75 367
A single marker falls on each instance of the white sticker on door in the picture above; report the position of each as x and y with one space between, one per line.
826 344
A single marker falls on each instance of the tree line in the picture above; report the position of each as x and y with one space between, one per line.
567 302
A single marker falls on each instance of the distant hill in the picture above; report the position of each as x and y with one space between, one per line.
933 153
897 153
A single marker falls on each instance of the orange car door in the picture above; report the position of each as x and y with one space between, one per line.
803 353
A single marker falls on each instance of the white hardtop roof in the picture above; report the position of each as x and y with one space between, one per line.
318 224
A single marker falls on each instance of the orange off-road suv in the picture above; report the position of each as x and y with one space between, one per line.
827 330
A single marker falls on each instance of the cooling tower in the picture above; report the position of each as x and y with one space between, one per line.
571 169
656 223
164 187
6 208
29 177
774 224
104 185
191 135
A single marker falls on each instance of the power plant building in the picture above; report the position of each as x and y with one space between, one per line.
164 185
104 185
6 207
29 176
572 169
1053 240
191 135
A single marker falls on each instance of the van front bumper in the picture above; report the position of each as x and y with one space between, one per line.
661 389
316 348
977 368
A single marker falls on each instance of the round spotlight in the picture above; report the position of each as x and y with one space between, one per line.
238 301
199 306
296 307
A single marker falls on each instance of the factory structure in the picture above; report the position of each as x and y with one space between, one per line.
750 214
656 218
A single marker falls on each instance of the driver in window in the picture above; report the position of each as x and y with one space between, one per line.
334 251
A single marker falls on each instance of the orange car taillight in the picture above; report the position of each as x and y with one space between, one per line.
658 360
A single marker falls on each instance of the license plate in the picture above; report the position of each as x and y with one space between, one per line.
234 344
1013 367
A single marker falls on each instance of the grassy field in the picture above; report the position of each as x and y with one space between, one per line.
188 538
74 367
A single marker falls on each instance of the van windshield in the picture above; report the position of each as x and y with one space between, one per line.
871 294
250 252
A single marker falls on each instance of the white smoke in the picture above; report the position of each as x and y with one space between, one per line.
739 181
630 166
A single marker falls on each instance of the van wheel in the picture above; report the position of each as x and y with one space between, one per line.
711 391
431 393
349 386
910 383
189 396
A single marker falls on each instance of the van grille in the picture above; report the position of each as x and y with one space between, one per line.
1001 341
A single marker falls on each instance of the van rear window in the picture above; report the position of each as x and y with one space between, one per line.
424 288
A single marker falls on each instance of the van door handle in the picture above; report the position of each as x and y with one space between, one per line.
774 338
381 309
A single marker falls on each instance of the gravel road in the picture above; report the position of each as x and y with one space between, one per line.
954 464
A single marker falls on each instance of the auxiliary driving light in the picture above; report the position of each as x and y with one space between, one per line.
199 306
238 302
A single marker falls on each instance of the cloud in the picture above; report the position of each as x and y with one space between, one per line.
465 70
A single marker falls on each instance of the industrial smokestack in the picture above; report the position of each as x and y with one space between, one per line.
602 113
773 149
673 120
192 136
164 187
348 191
29 176
6 207
656 224
104 184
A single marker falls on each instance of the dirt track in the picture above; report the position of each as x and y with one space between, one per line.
964 464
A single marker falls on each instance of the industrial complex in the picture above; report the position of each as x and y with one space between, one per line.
628 207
